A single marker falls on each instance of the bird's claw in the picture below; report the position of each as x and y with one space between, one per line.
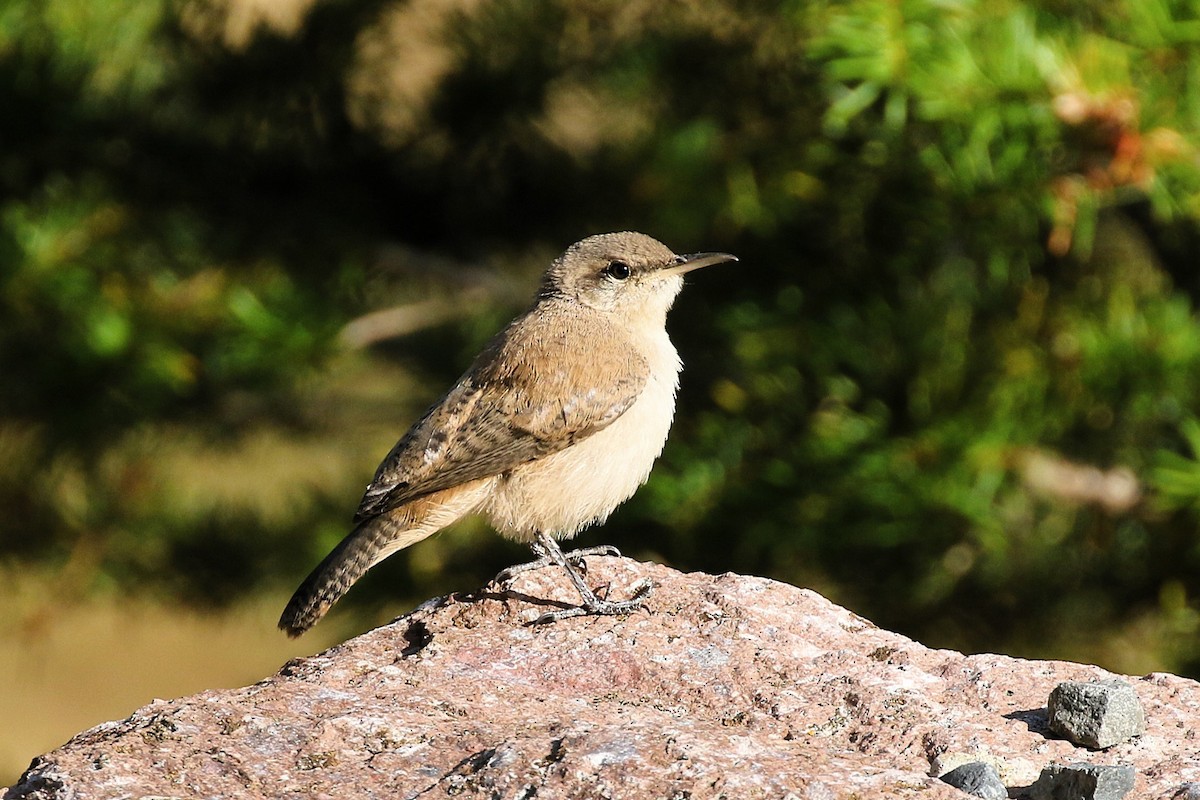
597 607
576 557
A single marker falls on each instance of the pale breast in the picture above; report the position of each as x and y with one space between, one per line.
565 492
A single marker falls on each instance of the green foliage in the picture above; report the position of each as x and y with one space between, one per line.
953 381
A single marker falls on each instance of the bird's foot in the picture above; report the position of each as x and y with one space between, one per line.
575 557
594 606
548 552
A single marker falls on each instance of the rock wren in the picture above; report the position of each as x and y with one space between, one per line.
557 422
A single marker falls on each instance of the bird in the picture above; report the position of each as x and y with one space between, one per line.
556 423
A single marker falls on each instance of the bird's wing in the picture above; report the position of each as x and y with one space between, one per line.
504 413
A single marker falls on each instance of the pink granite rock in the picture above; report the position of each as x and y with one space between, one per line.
728 686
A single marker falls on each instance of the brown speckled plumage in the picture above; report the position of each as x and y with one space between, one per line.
556 423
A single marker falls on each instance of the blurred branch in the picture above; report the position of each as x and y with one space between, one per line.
470 285
1115 490
391 323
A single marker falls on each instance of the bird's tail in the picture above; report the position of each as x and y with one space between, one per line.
334 576
371 542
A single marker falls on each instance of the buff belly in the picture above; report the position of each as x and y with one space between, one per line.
563 493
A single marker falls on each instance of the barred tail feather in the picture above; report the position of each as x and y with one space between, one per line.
366 545
372 542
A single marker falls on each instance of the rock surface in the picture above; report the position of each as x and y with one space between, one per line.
728 687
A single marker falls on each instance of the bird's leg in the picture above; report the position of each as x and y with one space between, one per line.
544 560
591 603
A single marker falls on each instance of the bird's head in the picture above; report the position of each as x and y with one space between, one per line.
628 273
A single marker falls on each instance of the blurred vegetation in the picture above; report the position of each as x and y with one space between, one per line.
954 382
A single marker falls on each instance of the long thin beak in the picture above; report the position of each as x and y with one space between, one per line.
697 260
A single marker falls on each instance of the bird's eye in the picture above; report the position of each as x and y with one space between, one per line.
618 270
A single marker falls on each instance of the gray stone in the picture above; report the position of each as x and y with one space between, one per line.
978 778
1096 714
1187 791
1083 782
